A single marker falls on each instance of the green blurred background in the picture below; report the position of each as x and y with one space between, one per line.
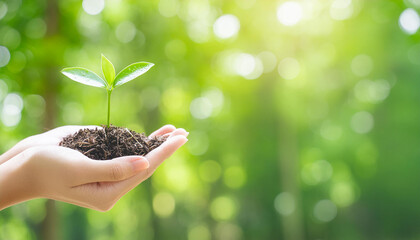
304 115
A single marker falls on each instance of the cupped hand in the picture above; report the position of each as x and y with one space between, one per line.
63 174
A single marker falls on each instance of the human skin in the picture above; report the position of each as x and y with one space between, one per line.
37 167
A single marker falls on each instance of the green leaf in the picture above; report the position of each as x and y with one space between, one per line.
108 70
131 72
84 76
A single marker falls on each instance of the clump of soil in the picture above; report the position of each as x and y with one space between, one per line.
111 142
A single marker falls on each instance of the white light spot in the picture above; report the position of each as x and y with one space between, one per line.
11 111
284 203
289 13
247 66
201 108
226 26
268 60
289 68
362 65
15 100
362 122
325 211
125 32
341 10
93 7
409 21
4 56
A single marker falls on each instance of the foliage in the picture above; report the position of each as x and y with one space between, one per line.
302 125
90 78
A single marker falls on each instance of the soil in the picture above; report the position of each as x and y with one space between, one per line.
111 142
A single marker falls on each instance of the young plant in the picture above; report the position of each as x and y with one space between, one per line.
111 81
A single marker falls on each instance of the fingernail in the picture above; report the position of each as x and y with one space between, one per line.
188 133
140 163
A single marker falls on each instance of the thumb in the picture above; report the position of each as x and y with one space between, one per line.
116 169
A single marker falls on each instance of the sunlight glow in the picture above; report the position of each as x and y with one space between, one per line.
226 26
93 7
289 13
409 21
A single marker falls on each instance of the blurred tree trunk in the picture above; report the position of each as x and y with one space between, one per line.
289 174
49 226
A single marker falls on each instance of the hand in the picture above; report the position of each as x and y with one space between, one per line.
59 173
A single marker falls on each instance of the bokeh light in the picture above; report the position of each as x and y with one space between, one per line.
223 208
168 8
201 108
409 21
11 110
3 9
289 68
289 13
199 232
325 211
163 204
362 65
93 7
362 122
125 32
4 56
284 203
341 9
226 26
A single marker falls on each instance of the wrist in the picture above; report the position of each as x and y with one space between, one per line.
15 182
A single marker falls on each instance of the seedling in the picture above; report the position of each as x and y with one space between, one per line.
87 77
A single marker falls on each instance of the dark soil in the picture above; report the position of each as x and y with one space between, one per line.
108 143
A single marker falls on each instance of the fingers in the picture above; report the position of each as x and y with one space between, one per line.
163 130
155 157
114 170
179 131
158 155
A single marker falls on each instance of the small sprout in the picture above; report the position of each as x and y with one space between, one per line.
111 81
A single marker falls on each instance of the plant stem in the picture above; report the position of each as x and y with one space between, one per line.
109 106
